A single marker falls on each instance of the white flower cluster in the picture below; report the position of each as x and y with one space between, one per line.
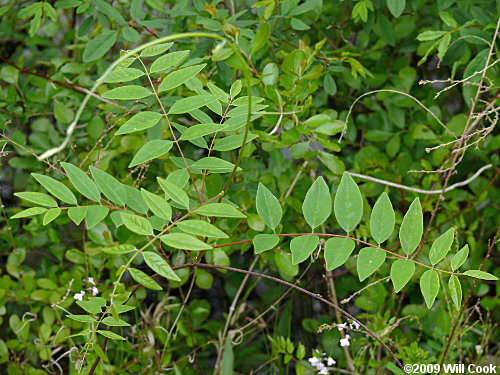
93 290
341 327
321 362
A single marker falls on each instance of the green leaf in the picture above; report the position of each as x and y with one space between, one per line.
430 35
348 204
130 92
33 211
455 291
109 186
382 219
178 77
110 335
100 352
56 188
329 85
396 7
190 103
63 113
157 205
174 192
123 75
369 260
261 37
82 182
429 285
184 242
317 205
299 25
159 265
137 224
459 258
131 34
268 207
110 11
441 246
481 275
82 318
412 228
77 214
302 247
443 45
201 228
264 242
155 50
140 121
37 198
119 249
220 210
114 322
151 150
337 251
143 279
200 130
214 165
401 272
94 215
51 215
232 142
99 45
227 365
168 60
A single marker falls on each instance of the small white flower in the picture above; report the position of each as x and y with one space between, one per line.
345 341
95 291
323 371
321 367
354 325
79 296
331 361
91 280
313 360
341 327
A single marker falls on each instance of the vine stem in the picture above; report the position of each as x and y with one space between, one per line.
300 289
350 238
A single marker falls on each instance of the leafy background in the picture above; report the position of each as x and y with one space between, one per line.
310 62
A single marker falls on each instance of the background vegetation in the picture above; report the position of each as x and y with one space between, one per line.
410 88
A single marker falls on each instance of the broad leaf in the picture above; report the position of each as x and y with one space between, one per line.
382 219
459 258
201 228
184 242
200 130
190 103
264 242
119 249
455 291
94 215
157 49
317 205
56 188
123 75
137 224
401 272
369 260
82 182
268 207
33 211
348 204
232 142
337 251
157 205
178 77
412 228
159 265
140 121
481 275
51 215
130 92
37 198
110 335
167 61
214 165
99 45
174 192
143 279
441 246
77 214
396 7
302 247
109 186
220 210
429 285
151 150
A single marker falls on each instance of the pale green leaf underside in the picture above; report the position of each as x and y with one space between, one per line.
302 247
369 260
317 205
348 204
412 228
401 272
268 207
429 285
383 219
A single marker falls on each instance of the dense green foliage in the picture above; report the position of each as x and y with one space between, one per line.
236 187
